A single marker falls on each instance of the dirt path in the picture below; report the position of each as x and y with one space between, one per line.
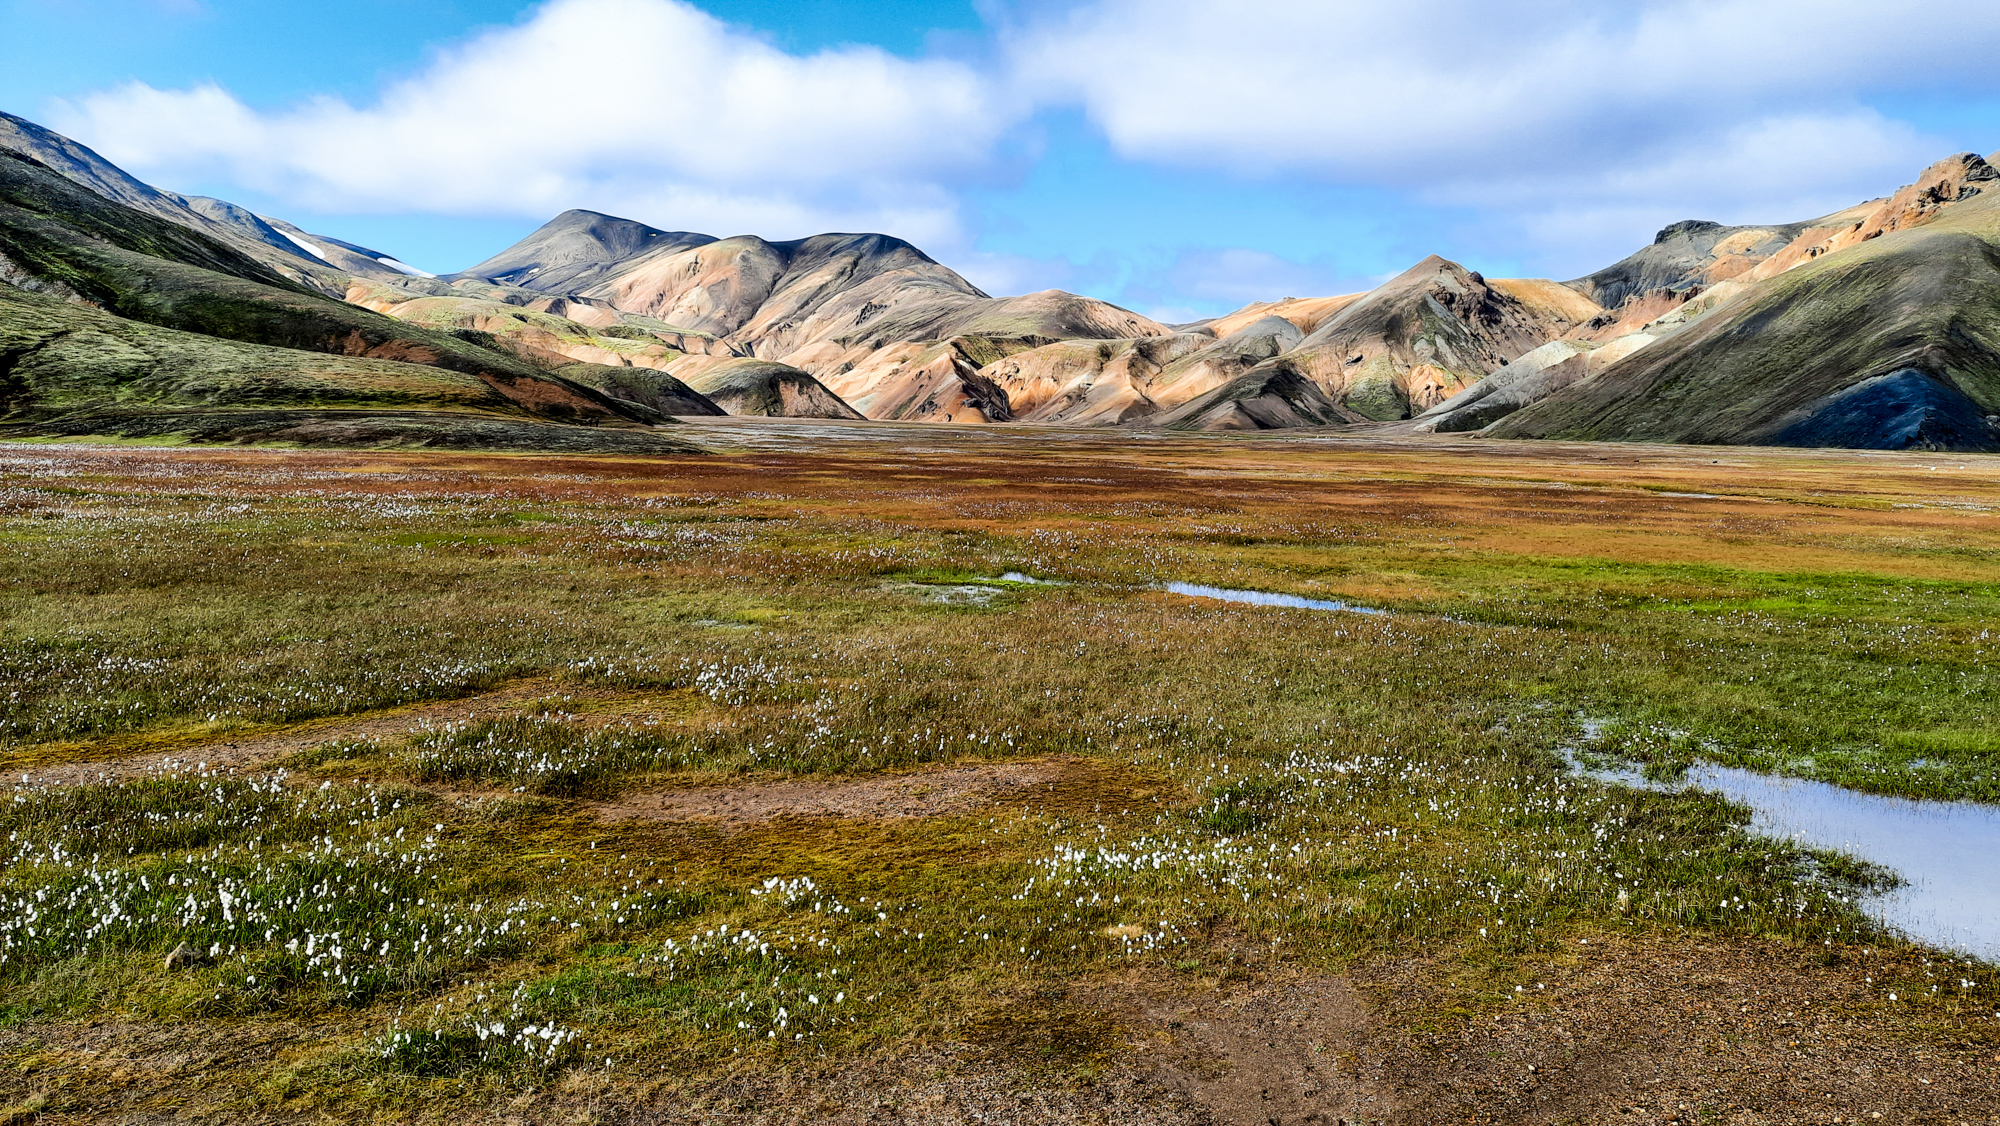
927 793
1646 1031
1689 1029
1281 1051
263 749
931 792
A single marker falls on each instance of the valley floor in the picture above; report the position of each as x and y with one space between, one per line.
858 772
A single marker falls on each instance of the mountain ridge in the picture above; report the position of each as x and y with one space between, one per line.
1710 332
109 310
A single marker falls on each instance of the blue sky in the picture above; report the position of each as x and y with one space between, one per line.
1180 157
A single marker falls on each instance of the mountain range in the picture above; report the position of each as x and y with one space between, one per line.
128 310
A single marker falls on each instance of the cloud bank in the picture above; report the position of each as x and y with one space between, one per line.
1559 126
646 107
1566 117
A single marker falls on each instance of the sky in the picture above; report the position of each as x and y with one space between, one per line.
1178 157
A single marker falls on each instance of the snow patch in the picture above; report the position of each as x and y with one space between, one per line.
309 248
405 268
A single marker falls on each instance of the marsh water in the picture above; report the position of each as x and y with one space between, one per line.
1266 598
1948 852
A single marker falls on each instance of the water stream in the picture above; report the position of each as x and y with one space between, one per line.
1949 852
1265 598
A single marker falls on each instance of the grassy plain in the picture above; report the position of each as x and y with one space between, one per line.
734 788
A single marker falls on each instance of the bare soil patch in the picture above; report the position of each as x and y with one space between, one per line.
927 793
1662 1030
1283 1050
1648 1030
132 1072
264 748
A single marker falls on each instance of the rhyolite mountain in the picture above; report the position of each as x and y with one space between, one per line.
316 261
1874 326
1877 328
878 321
115 320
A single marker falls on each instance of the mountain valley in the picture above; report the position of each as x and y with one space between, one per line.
1877 326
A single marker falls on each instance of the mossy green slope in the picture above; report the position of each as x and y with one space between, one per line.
645 387
1923 301
139 313
69 369
766 387
58 355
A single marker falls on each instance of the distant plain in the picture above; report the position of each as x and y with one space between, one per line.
746 786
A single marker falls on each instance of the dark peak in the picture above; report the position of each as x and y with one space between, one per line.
614 227
1685 227
1427 272
575 248
867 245
25 158
577 217
623 236
1978 169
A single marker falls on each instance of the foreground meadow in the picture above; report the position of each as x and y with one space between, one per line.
865 773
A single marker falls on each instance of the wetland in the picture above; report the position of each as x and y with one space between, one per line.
438 786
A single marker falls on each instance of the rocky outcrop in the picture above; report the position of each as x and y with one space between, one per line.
1528 379
1437 316
916 381
1684 258
1273 396
1135 381
1093 382
917 355
1950 181
1895 340
577 250
1907 409
741 385
654 390
317 263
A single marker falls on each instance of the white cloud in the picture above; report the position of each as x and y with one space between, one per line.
1018 273
1171 287
1455 88
1772 170
1557 133
645 107
1237 276
1535 113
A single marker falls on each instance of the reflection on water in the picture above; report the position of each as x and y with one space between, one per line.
1949 852
1265 598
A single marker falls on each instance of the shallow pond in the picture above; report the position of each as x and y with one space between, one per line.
1265 598
1949 852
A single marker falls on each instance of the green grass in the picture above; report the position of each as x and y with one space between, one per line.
1919 297
167 320
1338 791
